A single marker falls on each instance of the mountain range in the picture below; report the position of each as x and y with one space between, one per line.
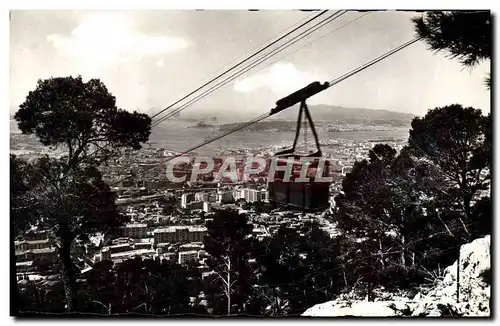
319 113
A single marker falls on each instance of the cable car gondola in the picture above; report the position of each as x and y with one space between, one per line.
307 195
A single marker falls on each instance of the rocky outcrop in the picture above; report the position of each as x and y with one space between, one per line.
474 298
475 288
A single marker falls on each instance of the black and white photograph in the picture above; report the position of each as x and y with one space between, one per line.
250 163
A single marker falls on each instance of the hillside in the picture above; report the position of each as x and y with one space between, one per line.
320 113
353 115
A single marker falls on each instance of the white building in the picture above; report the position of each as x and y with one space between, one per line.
134 230
187 256
201 196
252 195
264 195
207 207
238 194
186 199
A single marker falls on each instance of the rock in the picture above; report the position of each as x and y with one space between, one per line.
359 308
475 292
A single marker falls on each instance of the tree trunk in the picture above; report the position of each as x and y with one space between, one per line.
276 299
370 292
229 286
68 275
381 248
403 259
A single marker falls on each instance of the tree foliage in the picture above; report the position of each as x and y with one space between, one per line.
458 141
298 269
231 247
69 196
141 286
82 116
463 35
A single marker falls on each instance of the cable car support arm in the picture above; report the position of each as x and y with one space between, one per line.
301 96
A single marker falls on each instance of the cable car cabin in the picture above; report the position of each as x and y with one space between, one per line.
309 193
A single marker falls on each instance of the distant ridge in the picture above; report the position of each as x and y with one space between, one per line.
319 113
338 113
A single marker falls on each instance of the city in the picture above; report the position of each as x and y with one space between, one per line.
121 206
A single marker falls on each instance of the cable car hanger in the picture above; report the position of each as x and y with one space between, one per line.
301 96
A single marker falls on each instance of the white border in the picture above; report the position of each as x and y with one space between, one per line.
180 4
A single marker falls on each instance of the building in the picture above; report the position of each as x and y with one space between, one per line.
201 196
264 195
194 205
120 247
124 240
238 194
212 198
207 207
34 254
122 256
26 245
224 196
252 195
175 234
186 199
134 230
105 254
191 246
346 169
187 256
24 267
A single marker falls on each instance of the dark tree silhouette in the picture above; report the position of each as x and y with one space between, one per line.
72 210
22 210
141 286
82 118
299 268
458 140
462 35
389 206
230 246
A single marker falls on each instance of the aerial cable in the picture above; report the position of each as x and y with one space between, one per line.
154 123
252 65
199 97
247 68
243 61
372 62
218 70
278 109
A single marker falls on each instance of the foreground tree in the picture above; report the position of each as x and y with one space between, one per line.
462 35
231 247
383 213
141 286
22 210
82 119
73 210
299 268
458 141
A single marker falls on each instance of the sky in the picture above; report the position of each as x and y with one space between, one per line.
150 59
